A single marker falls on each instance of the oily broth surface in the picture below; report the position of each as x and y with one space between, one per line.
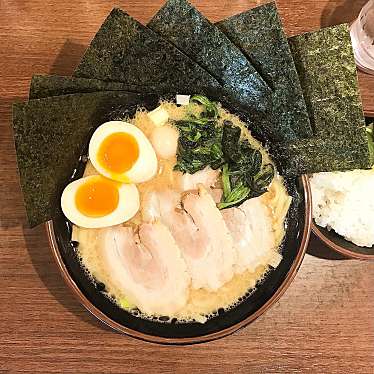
201 304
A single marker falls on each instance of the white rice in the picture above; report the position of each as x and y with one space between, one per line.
344 202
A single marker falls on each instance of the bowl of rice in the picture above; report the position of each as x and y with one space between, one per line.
343 210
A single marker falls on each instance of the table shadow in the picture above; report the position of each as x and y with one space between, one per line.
344 13
68 58
42 260
319 249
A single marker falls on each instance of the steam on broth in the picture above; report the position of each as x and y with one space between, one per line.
199 296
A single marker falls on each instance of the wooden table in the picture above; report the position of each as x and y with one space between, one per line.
323 324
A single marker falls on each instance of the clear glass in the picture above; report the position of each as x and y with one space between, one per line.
362 34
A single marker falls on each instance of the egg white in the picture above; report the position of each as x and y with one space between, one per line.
128 205
145 166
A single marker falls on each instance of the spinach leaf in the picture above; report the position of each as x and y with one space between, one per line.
260 182
243 175
211 110
226 181
231 196
230 141
200 138
202 142
236 197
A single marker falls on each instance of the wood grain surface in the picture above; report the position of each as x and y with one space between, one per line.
323 324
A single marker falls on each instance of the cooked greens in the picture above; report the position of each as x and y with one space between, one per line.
204 142
231 196
200 139
210 108
243 175
230 140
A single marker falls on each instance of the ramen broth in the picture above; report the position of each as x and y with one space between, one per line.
201 303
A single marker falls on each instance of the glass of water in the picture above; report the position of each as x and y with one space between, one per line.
362 35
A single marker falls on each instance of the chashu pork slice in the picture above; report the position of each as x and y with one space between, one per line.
198 228
250 226
212 261
147 266
207 177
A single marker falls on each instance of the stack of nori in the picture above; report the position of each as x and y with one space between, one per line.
186 28
54 85
325 63
259 34
125 51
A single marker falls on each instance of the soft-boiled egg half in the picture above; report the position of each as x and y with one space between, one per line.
96 201
121 152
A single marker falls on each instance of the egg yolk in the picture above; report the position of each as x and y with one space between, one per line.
118 152
97 198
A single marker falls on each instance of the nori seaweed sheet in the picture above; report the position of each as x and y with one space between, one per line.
50 135
125 51
43 86
184 26
325 62
55 85
314 155
259 34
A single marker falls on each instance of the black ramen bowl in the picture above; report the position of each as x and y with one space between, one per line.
336 242
266 293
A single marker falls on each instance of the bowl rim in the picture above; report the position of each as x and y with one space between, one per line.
337 248
193 340
369 113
